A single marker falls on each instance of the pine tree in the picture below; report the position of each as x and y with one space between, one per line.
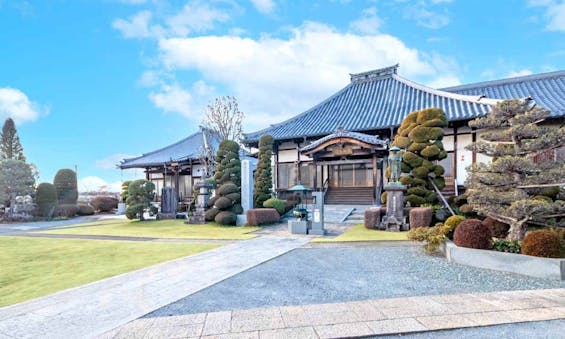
263 174
514 188
420 136
10 146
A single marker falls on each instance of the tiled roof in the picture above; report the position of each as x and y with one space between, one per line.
187 148
377 99
547 90
340 133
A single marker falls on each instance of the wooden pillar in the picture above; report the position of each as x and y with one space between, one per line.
376 197
315 166
146 173
276 166
454 162
298 176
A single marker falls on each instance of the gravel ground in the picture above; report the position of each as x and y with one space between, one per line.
325 275
554 329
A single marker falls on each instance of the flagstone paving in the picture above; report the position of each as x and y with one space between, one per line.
357 319
95 308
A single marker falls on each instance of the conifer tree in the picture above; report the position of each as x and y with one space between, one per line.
514 187
263 174
10 146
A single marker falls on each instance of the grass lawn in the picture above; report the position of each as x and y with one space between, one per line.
158 229
360 233
34 267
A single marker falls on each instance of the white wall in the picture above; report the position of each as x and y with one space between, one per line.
464 157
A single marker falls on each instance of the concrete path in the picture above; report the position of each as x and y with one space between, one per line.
357 319
42 225
95 308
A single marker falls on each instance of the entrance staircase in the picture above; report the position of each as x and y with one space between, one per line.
349 196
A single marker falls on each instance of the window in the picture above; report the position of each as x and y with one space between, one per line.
286 175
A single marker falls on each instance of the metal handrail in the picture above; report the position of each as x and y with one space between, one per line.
326 185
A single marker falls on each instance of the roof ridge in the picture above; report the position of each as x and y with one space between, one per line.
163 148
374 74
529 77
478 99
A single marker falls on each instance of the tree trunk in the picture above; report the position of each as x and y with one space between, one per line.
517 230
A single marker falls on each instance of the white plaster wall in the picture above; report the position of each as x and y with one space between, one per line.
290 155
464 157
448 142
197 170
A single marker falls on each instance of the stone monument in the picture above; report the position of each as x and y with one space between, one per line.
169 203
247 169
203 188
394 220
317 226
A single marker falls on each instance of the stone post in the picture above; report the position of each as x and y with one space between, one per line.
317 227
247 183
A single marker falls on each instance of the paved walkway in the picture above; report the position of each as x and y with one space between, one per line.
95 308
357 319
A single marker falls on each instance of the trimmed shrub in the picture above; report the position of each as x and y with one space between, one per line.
227 188
542 243
417 146
223 203
262 216
430 152
425 134
401 141
66 210
372 217
415 200
104 204
46 199
438 170
508 246
263 175
210 214
212 201
497 228
432 237
406 180
237 209
124 194
472 233
420 172
84 209
412 159
420 217
226 218
275 203
234 197
453 221
431 114
418 191
66 185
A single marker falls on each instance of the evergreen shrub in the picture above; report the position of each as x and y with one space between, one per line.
275 203
262 216
420 217
542 243
472 233
46 199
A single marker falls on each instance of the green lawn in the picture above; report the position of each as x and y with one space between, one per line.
34 267
158 229
360 233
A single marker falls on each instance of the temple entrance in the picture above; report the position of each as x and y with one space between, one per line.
351 175
349 165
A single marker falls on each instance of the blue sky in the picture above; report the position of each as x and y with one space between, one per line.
89 82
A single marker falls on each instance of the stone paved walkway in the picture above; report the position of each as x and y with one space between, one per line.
95 308
357 319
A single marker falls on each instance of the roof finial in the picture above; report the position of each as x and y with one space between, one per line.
374 74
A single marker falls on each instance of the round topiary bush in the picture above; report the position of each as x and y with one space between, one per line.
66 210
84 209
211 202
210 214
46 199
66 185
226 218
472 233
237 209
451 224
104 204
226 189
497 228
542 243
275 203
223 203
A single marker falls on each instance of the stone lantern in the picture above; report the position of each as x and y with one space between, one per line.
394 220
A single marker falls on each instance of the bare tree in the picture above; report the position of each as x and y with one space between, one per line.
225 119
207 151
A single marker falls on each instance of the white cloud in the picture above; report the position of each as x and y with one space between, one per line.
16 105
174 98
554 13
138 26
195 16
426 17
519 73
94 184
368 23
275 78
112 161
264 6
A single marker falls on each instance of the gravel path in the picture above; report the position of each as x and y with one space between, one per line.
325 275
554 329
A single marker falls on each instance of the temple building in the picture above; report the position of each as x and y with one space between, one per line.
339 144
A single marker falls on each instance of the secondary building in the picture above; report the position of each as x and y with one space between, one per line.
339 144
